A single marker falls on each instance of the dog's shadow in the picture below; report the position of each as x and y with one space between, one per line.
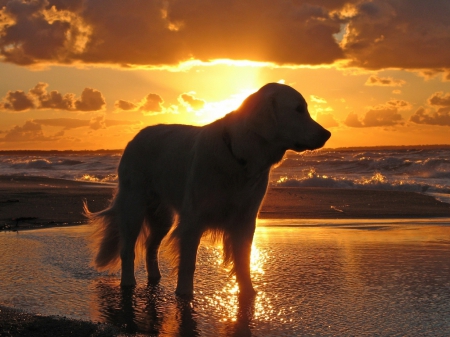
154 311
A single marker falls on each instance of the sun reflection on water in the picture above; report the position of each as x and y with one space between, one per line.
226 302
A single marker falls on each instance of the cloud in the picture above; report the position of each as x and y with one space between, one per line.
326 120
152 103
191 102
17 101
382 115
441 116
405 34
169 32
376 34
440 99
32 129
398 104
91 100
426 116
384 81
125 105
39 98
353 121
317 99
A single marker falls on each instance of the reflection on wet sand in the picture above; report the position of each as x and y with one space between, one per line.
342 280
153 311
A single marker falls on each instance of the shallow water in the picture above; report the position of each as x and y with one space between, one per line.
347 278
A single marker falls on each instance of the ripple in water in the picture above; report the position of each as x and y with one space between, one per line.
310 281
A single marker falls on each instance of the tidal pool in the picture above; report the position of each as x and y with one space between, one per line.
346 278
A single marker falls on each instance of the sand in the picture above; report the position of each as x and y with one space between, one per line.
36 202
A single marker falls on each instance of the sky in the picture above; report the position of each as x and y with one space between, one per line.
89 74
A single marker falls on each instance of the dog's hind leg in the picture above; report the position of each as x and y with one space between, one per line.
132 205
189 239
240 243
160 220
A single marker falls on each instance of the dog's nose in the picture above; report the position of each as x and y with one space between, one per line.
326 134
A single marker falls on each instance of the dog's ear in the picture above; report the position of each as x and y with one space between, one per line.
260 111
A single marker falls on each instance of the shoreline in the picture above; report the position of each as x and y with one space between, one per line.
28 202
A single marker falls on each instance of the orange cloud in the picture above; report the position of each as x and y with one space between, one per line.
32 129
381 115
384 81
440 99
39 98
441 116
191 102
125 105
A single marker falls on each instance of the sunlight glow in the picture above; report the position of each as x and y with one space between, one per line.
215 110
226 301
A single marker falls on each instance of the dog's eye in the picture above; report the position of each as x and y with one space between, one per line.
301 109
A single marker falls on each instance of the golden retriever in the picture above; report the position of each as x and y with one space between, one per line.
211 178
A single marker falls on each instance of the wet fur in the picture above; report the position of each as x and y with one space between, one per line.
182 181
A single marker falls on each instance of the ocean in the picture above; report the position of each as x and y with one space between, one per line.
423 169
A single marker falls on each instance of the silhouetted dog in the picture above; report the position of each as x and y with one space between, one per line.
212 178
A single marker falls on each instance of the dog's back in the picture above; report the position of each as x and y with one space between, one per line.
157 158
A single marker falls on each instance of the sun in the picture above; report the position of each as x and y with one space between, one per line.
215 110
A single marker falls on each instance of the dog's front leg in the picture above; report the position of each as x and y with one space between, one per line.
242 248
189 241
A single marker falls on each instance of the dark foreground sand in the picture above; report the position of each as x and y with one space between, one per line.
34 202
19 323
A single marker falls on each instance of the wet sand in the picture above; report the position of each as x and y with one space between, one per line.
36 202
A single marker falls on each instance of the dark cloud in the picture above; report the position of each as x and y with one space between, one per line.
440 99
192 102
17 101
384 81
441 116
426 116
52 99
125 105
39 98
91 100
168 32
379 34
399 34
152 104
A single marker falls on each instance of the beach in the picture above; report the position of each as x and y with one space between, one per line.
37 202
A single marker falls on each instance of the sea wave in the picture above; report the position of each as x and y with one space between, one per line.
375 182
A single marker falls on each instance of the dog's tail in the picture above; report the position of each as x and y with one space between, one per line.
105 240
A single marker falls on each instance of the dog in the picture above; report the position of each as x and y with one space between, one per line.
211 178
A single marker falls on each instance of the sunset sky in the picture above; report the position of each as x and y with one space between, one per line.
85 74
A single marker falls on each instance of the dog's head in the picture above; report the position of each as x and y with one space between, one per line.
279 113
